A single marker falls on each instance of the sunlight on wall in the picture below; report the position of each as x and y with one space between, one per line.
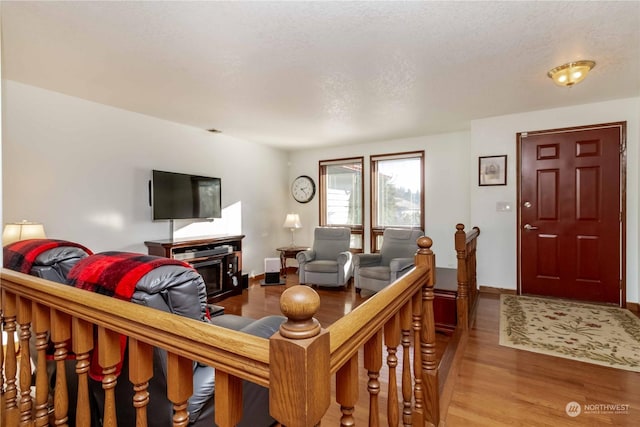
230 223
113 220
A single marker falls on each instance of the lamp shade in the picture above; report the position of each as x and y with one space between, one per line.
292 221
24 230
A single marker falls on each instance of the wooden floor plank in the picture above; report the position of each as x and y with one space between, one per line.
503 386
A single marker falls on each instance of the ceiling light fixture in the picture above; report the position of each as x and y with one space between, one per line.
571 73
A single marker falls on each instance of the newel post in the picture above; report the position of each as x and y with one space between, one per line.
462 299
299 356
426 258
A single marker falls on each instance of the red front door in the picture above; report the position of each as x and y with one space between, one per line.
570 213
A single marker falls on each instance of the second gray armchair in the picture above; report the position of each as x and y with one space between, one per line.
329 262
397 256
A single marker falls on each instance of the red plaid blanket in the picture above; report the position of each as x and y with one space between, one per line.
114 274
20 256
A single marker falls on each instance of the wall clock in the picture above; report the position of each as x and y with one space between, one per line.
303 189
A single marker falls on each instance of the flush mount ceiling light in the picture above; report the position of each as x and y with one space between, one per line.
571 73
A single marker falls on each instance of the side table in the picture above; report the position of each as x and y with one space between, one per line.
289 252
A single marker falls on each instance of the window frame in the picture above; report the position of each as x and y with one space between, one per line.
377 230
356 229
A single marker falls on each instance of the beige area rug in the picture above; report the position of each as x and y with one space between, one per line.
591 333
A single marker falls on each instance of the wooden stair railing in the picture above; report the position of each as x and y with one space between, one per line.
63 312
465 246
403 309
296 363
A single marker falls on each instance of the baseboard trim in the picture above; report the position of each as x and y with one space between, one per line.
633 306
496 291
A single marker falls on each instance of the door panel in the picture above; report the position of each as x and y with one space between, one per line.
570 213
548 265
587 193
548 194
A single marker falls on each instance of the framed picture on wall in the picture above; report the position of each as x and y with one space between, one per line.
492 170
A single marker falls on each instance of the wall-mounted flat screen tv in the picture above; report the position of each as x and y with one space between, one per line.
183 196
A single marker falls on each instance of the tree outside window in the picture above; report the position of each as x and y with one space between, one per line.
397 188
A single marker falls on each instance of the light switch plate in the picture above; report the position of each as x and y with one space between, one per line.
503 207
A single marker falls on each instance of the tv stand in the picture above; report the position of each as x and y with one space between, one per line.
218 260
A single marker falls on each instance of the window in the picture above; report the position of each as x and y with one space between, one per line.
397 193
341 197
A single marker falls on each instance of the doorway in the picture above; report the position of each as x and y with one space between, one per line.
571 213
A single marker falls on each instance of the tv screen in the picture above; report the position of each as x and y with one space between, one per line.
184 196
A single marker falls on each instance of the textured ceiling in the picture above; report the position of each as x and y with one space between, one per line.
304 74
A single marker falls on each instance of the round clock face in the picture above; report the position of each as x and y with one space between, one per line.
303 189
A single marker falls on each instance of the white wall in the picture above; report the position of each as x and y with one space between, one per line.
82 170
446 185
496 136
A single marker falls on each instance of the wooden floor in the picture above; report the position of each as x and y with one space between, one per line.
495 385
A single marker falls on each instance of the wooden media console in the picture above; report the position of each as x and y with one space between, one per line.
218 260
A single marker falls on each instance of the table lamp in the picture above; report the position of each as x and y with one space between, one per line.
23 230
292 221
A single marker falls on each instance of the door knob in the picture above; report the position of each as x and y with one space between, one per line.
530 227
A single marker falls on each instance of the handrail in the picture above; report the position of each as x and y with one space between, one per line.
211 345
472 234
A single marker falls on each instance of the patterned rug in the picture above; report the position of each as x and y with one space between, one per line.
602 335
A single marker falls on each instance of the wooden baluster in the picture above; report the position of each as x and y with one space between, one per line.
347 390
179 387
60 335
24 320
82 345
418 390
41 325
428 335
300 386
373 363
12 413
462 299
405 324
471 272
108 358
140 372
229 407
470 286
392 341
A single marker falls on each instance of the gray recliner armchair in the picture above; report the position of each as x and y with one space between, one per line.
50 259
329 262
397 256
